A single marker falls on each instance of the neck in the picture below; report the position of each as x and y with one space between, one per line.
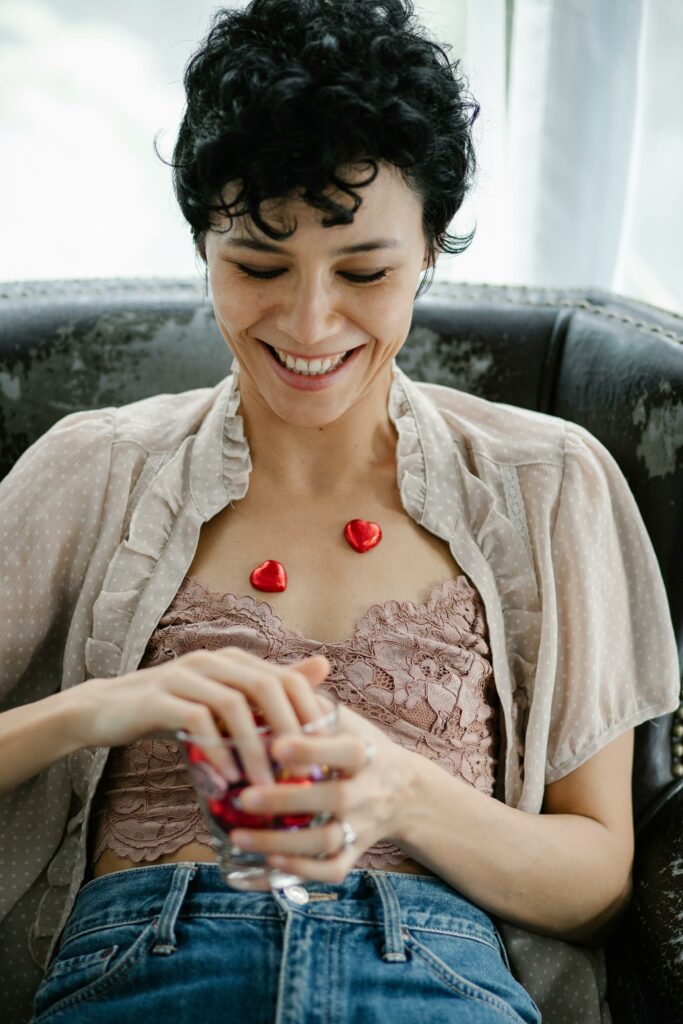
336 458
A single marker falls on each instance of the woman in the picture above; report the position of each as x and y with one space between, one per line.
324 150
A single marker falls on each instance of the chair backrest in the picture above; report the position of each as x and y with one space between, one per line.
612 364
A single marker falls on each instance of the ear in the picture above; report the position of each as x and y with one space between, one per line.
425 261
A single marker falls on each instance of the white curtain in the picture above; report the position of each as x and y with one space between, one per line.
579 140
581 153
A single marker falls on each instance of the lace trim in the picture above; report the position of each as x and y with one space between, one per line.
193 595
142 817
420 671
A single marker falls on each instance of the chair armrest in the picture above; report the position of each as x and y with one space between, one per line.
644 960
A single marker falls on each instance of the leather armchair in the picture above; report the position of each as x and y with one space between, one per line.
612 364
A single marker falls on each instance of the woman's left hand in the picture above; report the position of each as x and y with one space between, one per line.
372 800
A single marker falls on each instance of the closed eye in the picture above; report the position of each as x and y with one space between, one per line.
266 275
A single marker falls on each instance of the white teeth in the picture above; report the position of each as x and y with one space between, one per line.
309 367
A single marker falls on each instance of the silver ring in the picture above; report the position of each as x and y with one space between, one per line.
350 836
370 753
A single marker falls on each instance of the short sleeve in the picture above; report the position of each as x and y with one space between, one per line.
50 515
617 659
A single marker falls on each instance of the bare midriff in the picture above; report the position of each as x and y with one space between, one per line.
109 861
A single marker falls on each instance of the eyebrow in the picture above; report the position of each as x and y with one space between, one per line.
257 245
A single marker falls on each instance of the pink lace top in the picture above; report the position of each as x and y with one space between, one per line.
421 673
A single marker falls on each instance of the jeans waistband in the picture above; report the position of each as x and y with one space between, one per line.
389 913
162 891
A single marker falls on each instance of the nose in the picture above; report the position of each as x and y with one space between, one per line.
308 314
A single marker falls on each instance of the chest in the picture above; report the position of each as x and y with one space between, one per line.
329 584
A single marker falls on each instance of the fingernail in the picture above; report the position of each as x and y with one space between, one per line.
249 799
241 839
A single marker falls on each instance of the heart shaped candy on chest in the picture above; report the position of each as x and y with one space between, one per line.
269 576
362 535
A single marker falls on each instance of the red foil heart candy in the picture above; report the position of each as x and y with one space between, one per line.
269 576
362 535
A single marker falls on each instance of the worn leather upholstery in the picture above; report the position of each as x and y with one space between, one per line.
612 364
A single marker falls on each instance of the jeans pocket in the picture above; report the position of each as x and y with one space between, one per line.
472 967
88 964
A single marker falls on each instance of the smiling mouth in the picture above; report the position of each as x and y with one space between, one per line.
299 366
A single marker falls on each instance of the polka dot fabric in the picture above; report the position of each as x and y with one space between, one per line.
99 522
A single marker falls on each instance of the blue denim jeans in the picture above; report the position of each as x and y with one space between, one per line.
171 942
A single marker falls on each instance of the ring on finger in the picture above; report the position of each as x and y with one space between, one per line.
370 754
350 837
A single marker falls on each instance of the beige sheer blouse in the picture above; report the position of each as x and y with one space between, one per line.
99 522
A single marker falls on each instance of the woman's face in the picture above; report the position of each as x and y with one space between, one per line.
314 303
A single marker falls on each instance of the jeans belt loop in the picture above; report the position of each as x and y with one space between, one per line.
165 941
394 945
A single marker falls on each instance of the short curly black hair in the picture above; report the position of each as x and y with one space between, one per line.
282 94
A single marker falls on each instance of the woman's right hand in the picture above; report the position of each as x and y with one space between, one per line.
194 692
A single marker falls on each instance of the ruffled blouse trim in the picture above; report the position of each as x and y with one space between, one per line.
179 490
180 497
411 464
480 521
236 463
